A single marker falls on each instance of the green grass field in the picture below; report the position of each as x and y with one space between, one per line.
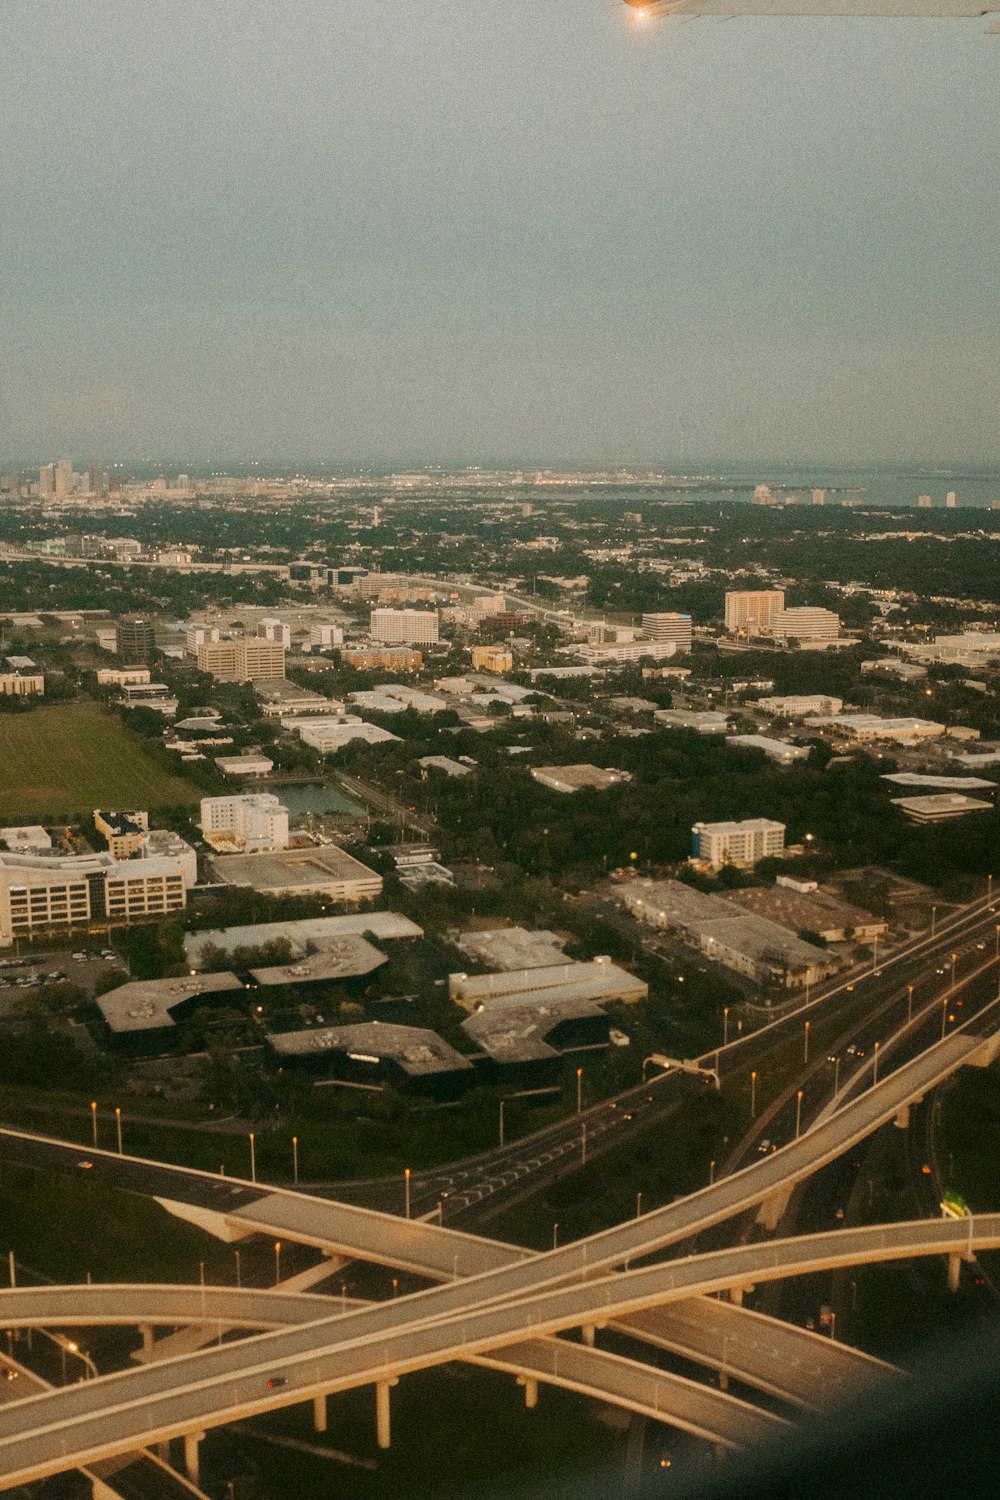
64 761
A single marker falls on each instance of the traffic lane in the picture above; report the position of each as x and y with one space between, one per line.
877 985
128 1174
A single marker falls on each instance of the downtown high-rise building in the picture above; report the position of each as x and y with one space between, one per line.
63 478
97 478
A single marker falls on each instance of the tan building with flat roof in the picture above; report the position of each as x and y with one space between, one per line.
251 660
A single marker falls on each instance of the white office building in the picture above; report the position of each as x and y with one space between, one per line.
732 843
805 623
252 823
199 635
797 705
53 893
668 625
404 627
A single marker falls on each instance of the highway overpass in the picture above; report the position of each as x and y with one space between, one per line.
118 1413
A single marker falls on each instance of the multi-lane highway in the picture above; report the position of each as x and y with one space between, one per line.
122 1412
521 1294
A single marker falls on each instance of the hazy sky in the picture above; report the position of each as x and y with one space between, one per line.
489 229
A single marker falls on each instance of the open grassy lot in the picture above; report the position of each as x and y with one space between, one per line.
66 760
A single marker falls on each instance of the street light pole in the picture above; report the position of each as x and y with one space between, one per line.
583 1146
277 1262
579 1089
725 1025
798 1113
253 1159
406 1187
118 1128
711 1172
502 1103
933 919
93 1121
753 1095
875 1068
295 1160
805 1050
638 1204
909 1003
944 1016
953 958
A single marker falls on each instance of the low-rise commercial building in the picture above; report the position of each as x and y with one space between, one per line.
492 659
387 659
142 1015
622 653
940 808
576 778
779 751
798 705
869 727
377 1052
22 685
330 735
123 676
598 982
324 871
737 843
244 765
706 721
124 831
749 945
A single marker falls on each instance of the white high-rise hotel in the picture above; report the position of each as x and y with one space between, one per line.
405 627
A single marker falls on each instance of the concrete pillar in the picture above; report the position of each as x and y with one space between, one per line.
736 1296
319 1412
903 1117
382 1418
954 1271
191 1442
530 1390
589 1332
723 1380
146 1329
772 1210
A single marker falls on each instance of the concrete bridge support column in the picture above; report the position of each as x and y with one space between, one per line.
530 1390
589 1332
146 1329
736 1296
191 1443
954 1271
382 1417
902 1119
319 1412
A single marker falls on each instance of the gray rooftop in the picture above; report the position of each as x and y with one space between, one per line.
415 1050
512 947
322 931
147 1004
517 1033
344 958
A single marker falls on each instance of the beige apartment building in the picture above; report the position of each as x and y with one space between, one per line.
752 611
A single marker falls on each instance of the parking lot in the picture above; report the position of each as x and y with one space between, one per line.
83 966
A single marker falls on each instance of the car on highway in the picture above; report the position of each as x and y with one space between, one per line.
276 1381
